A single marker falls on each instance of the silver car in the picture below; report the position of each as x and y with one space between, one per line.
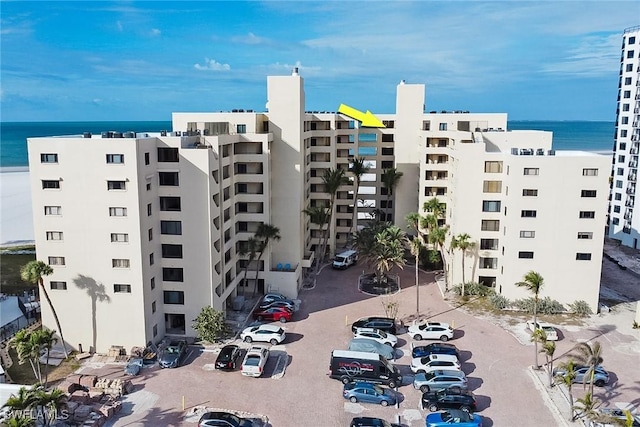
440 380
372 346
600 376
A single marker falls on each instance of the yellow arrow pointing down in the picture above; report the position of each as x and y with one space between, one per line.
367 119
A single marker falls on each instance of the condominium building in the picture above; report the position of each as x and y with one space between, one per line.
623 224
144 229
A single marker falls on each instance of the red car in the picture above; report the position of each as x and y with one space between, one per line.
282 314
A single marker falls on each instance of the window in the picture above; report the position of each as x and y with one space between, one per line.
489 244
531 171
119 237
119 263
627 94
492 186
491 263
166 154
121 289
620 159
53 210
632 40
490 206
618 196
589 172
615 221
241 128
630 54
48 158
528 214
153 307
585 235
587 214
172 274
146 159
153 283
629 67
442 126
387 137
56 260
148 186
155 330
171 251
150 233
625 107
623 134
527 234
173 297
620 171
169 178
389 124
627 81
490 225
581 256
616 209
618 184
116 185
588 193
48 184
152 259
525 254
117 211
169 203
529 192
149 209
54 235
625 120
493 167
171 227
115 158
58 286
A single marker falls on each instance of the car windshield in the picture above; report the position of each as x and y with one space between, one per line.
383 334
252 361
378 389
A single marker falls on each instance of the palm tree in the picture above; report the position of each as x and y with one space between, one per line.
49 403
390 178
265 234
587 407
462 242
533 282
333 179
358 168
17 420
318 215
435 209
27 346
567 379
47 339
588 355
437 237
21 401
415 244
388 251
251 249
548 349
33 272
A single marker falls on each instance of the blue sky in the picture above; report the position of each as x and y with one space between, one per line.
541 60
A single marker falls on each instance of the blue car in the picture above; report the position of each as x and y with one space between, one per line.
368 392
453 417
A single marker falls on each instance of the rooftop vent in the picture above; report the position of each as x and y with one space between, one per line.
295 71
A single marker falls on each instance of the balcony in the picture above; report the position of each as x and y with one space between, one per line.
632 177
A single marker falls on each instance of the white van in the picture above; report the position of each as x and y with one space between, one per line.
345 259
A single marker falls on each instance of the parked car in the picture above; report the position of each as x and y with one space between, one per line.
273 296
172 355
439 380
372 422
453 417
430 331
435 362
552 333
228 357
368 392
434 348
372 346
223 419
134 366
254 361
386 324
290 304
376 334
611 417
264 333
449 399
600 376
282 314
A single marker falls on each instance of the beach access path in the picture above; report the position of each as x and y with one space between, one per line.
16 215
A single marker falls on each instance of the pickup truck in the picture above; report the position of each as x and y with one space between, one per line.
254 361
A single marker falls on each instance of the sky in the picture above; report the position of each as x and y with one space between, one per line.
125 60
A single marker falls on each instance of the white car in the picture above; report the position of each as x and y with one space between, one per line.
434 362
552 334
254 361
264 333
422 330
376 334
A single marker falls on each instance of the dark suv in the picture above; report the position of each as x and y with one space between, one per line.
434 348
449 399
371 422
383 323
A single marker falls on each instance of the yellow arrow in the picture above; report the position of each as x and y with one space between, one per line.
367 119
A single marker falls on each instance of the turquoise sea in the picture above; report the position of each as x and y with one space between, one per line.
567 135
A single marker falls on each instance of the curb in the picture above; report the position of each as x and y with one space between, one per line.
550 402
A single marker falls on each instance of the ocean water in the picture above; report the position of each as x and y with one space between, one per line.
567 135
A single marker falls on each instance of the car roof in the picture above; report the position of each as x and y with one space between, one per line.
374 318
446 372
361 329
272 328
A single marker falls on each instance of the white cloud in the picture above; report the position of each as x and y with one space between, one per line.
212 65
155 32
594 56
250 39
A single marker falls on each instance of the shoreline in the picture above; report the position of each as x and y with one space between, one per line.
12 169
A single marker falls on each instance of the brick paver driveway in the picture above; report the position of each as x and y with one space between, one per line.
493 360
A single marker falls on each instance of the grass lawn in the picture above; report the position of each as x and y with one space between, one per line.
23 374
10 265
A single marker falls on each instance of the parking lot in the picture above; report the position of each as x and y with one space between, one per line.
493 359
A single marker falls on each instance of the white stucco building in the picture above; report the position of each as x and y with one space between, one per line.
623 224
143 230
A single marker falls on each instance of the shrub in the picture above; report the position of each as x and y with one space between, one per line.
500 302
210 324
546 305
580 308
473 289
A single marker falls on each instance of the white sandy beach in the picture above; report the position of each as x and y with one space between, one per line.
16 216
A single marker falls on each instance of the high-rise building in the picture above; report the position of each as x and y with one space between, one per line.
144 229
624 225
